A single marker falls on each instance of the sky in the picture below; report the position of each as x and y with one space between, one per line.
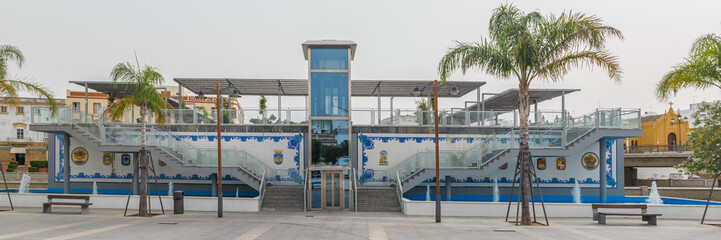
82 40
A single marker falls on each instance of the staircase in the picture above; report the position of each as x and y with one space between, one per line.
164 146
283 198
378 199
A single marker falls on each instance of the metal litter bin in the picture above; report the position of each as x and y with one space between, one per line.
178 202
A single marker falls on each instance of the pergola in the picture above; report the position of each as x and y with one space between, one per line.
507 101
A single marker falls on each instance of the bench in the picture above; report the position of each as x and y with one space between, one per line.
645 216
84 206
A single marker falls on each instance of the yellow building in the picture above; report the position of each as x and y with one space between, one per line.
661 132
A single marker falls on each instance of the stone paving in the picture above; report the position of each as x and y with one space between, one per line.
31 223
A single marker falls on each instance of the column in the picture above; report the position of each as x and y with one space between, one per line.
66 163
602 169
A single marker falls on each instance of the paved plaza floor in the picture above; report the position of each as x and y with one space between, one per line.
31 223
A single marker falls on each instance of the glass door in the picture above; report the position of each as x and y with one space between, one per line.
332 183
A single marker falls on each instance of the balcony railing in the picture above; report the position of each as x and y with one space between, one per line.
601 118
657 148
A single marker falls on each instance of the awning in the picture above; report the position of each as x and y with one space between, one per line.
16 150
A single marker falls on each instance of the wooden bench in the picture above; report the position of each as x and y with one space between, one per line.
645 216
84 206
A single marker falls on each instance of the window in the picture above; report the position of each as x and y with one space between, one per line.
76 106
329 94
21 133
325 58
96 107
20 110
3 109
329 142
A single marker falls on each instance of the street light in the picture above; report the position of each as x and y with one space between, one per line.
679 122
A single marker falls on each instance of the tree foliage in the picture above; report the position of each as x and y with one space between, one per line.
701 70
529 46
11 88
705 140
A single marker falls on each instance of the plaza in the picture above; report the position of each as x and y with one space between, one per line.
109 224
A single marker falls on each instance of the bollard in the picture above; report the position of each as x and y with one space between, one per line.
178 202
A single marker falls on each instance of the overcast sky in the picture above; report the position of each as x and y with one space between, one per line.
82 40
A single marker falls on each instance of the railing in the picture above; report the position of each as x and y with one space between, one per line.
399 191
657 148
261 191
186 153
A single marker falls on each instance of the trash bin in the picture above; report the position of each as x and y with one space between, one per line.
178 205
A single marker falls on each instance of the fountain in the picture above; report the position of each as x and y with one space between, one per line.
653 197
24 184
428 192
95 188
576 192
170 188
496 193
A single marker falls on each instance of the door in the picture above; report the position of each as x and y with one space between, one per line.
20 158
332 189
671 141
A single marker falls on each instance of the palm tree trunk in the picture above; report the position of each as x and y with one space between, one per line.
524 109
143 206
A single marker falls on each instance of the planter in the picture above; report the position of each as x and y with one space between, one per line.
43 169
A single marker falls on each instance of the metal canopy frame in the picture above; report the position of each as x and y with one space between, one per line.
508 100
299 87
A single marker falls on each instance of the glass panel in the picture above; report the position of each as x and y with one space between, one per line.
329 140
329 94
328 190
336 189
315 195
325 58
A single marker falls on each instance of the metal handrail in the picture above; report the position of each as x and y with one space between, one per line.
355 193
399 190
305 190
261 192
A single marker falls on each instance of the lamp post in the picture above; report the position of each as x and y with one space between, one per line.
679 122
453 91
234 93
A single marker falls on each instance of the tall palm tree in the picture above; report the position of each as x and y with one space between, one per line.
10 88
529 47
701 70
143 80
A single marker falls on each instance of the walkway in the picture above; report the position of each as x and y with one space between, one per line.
30 223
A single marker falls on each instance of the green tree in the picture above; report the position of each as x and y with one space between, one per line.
529 47
705 140
701 70
143 81
11 88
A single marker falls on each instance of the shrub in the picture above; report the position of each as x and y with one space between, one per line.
13 165
10 170
32 169
39 164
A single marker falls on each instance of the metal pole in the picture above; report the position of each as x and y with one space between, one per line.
393 122
478 105
438 170
7 190
563 108
66 163
86 104
180 99
379 104
602 171
710 193
220 168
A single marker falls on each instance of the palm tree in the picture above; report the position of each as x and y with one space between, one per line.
10 88
701 70
145 95
528 47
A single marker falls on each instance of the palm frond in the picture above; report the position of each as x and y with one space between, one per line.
698 75
554 71
478 56
28 86
118 109
124 72
9 53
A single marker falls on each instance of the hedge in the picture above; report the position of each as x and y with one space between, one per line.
32 169
13 164
39 164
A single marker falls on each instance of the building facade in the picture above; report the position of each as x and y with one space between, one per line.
17 142
661 132
330 156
